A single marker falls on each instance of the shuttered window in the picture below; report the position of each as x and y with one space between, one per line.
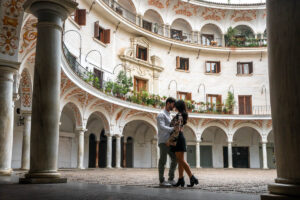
245 68
182 63
184 96
141 53
212 67
80 17
101 34
99 75
140 84
245 105
214 102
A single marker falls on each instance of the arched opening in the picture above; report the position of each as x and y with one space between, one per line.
245 148
181 30
211 35
212 149
96 125
67 157
152 21
126 8
92 151
191 146
140 151
240 36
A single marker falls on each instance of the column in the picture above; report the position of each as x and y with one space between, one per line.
109 151
7 69
97 154
264 152
164 29
124 153
199 37
223 40
46 89
80 148
26 141
283 53
198 154
118 151
230 155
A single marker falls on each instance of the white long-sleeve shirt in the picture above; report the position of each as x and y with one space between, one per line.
163 126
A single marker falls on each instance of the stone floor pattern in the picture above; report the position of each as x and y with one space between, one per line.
246 181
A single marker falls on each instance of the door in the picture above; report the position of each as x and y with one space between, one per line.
129 153
206 156
99 75
113 161
240 157
225 157
92 151
191 155
102 150
245 105
64 155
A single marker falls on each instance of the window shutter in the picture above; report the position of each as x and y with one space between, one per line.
189 96
251 68
218 67
76 16
137 51
187 64
81 15
177 62
96 29
238 70
107 36
241 105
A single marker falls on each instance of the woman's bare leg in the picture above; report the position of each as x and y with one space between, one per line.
183 163
180 168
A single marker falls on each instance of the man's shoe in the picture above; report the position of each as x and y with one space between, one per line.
172 182
165 184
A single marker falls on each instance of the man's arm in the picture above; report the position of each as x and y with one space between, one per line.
162 125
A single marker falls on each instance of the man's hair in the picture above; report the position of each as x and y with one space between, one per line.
170 100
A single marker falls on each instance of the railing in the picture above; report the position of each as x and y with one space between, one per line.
165 31
249 42
87 76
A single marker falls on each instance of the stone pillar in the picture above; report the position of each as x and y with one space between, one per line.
199 37
118 151
223 40
26 142
164 30
97 154
46 89
109 151
124 153
7 69
283 53
198 154
230 155
168 30
264 153
80 148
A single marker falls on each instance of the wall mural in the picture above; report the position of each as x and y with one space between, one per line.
26 93
213 14
28 36
243 15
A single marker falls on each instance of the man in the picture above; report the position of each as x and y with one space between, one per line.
164 130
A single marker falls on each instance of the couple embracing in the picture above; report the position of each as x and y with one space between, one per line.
171 141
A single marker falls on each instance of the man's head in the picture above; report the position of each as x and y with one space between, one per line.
170 103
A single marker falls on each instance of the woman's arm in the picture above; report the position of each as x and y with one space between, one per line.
178 121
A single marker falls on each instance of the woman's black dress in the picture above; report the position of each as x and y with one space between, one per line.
180 142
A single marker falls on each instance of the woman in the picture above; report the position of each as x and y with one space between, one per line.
178 144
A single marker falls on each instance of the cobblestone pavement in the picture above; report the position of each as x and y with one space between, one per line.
247 181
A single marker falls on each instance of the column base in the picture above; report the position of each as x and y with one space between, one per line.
6 172
42 178
277 197
284 189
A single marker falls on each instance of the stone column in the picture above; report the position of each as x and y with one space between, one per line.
230 155
168 31
46 89
118 151
109 151
80 148
199 37
198 154
26 141
283 53
97 154
223 40
164 29
7 69
264 153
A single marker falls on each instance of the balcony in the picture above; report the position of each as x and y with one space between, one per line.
112 89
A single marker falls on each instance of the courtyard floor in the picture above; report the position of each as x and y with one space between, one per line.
222 184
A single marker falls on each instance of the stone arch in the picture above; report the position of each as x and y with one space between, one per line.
183 21
146 119
246 24
211 32
214 23
215 124
156 13
77 113
192 130
128 5
247 125
102 116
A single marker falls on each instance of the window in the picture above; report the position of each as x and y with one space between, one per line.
141 53
176 34
119 10
140 84
245 105
212 67
99 75
80 17
206 39
244 68
147 25
182 63
101 34
214 102
184 96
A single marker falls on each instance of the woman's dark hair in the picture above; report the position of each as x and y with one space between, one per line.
170 100
180 106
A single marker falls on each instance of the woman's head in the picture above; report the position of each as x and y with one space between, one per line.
181 108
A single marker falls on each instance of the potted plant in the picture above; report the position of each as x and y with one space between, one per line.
230 102
108 87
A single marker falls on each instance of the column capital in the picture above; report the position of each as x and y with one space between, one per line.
118 136
26 113
81 129
10 66
65 7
